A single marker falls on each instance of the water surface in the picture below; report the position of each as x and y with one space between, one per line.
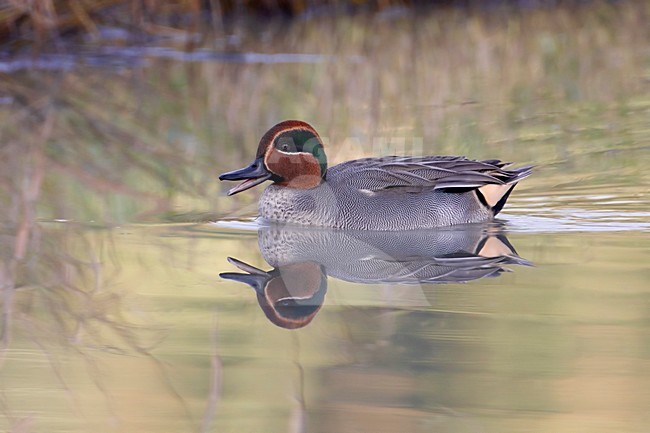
115 232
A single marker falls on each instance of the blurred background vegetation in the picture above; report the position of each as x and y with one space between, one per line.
43 20
126 111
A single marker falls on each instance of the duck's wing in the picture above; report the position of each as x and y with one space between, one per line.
413 174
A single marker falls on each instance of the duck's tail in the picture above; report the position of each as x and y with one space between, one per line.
495 196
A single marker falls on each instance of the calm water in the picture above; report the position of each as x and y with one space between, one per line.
115 231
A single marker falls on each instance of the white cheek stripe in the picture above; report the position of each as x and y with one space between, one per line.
292 153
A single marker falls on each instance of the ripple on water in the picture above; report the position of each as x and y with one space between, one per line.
532 220
578 212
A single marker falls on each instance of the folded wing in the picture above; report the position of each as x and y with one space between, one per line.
398 174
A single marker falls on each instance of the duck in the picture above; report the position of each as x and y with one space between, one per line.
387 193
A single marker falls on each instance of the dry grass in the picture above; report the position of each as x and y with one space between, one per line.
41 21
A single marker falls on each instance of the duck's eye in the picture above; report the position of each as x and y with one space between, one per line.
285 144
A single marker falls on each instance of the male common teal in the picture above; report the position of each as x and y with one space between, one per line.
386 193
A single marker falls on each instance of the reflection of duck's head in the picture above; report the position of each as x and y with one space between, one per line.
290 295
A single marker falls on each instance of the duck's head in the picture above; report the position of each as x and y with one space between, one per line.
290 154
290 295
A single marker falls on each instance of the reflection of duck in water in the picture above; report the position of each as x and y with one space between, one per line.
289 295
292 293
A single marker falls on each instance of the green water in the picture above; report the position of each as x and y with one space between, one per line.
115 231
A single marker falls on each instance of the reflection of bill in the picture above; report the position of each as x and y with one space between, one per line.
292 293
